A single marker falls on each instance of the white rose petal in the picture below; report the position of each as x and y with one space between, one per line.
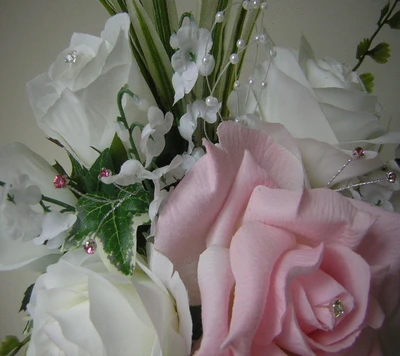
79 307
76 103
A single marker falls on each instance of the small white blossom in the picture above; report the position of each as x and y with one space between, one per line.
192 57
152 141
188 122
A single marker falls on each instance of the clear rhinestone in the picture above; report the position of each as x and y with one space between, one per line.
336 308
71 57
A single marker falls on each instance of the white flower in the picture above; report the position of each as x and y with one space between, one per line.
82 306
132 172
76 102
23 224
188 122
320 102
152 141
192 58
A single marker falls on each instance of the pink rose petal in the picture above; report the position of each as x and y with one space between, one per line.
216 286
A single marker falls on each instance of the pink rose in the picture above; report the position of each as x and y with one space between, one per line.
272 261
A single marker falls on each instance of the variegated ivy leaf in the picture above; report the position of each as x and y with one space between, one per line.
113 222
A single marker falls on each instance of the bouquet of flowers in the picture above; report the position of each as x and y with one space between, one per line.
226 196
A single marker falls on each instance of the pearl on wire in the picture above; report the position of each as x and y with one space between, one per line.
262 38
264 5
272 53
240 43
219 17
211 101
234 58
236 85
256 4
206 59
251 81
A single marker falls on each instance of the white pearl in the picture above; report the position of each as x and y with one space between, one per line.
251 81
240 43
256 4
211 101
262 38
272 53
236 85
234 58
206 59
263 85
264 5
219 17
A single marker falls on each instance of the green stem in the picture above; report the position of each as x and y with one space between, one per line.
49 200
380 25
121 93
21 345
59 203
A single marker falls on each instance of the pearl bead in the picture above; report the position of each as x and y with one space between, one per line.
211 101
234 58
263 85
264 5
219 17
272 53
240 44
206 59
251 81
236 85
256 4
262 38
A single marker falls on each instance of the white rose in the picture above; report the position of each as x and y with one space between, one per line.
75 102
82 306
23 224
320 102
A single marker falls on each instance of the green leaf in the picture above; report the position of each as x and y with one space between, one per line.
368 81
147 40
118 153
380 53
114 222
384 12
78 173
362 48
394 21
9 344
27 297
59 168
92 182
163 10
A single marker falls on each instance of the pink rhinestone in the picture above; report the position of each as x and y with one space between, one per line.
104 173
391 177
358 152
60 181
90 246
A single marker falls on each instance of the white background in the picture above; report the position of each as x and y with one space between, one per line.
33 32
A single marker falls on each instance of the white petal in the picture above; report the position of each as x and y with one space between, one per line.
54 223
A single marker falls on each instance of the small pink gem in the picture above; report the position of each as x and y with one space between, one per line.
60 181
391 177
358 152
90 246
105 173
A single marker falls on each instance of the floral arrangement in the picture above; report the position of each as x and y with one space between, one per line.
206 211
